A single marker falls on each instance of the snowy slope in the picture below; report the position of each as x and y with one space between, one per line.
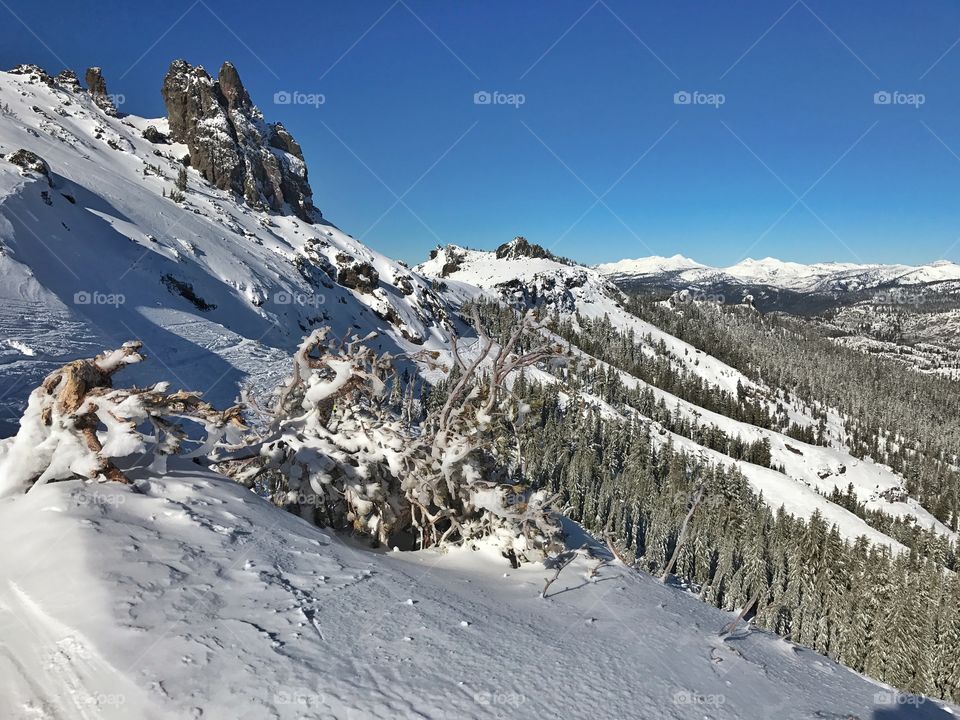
191 597
568 288
810 471
102 257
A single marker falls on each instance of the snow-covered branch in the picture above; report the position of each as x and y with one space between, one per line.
337 453
76 424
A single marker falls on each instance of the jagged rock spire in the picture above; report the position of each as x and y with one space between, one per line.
230 143
97 87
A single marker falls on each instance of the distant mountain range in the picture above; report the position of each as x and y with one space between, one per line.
778 285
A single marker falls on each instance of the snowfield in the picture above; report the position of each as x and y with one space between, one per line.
189 596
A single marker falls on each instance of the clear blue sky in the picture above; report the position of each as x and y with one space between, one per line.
875 182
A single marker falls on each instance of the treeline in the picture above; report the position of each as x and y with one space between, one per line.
895 415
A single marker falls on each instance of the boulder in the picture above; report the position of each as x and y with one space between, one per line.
155 136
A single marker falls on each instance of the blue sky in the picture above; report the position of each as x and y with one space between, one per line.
599 162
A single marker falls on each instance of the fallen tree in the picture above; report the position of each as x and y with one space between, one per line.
76 424
336 454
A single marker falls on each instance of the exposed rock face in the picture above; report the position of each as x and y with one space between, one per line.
520 247
67 79
453 259
153 135
230 143
356 275
35 73
97 87
31 162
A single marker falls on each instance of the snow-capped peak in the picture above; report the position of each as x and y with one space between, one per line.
655 264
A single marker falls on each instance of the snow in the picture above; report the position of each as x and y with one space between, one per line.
188 596
653 265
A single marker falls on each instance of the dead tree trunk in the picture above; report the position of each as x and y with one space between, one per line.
697 498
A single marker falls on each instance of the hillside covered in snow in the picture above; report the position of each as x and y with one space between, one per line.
447 489
193 598
99 246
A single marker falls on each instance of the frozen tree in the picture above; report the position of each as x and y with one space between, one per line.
76 424
337 453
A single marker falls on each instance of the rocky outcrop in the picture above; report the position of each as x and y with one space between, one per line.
520 247
67 79
153 135
356 275
97 87
31 162
230 143
34 73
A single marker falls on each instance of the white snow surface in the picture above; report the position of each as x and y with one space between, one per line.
189 596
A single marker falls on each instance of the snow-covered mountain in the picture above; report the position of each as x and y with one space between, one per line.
526 275
780 285
97 248
189 596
